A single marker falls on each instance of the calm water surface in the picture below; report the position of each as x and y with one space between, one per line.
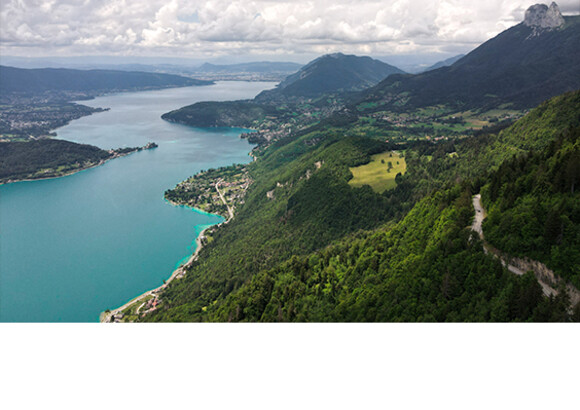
72 247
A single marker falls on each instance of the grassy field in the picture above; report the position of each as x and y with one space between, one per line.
377 173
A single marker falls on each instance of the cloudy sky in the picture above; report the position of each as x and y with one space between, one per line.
254 30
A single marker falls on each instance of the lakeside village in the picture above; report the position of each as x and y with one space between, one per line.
217 191
29 117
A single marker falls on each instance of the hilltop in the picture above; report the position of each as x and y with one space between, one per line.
331 73
314 92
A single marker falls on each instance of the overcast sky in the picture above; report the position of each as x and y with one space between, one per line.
254 30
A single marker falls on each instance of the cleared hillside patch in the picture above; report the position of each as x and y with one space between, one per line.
380 173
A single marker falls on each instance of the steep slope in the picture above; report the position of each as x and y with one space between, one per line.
331 73
426 268
533 203
522 67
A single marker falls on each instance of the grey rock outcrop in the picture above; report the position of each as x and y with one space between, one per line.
543 17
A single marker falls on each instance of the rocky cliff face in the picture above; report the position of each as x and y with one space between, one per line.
544 17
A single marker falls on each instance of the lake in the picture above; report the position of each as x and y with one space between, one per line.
75 246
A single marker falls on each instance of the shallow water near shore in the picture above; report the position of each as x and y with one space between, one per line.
74 246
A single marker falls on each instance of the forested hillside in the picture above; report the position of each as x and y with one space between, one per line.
272 262
302 98
46 158
427 268
331 73
534 206
220 114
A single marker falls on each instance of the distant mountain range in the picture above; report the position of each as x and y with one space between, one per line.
444 63
256 67
253 71
35 81
332 73
522 67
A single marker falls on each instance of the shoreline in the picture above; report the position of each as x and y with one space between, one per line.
76 171
13 181
200 211
105 317
109 317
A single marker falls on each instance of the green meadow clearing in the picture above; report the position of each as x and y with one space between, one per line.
377 173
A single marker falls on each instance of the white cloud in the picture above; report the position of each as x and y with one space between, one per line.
218 27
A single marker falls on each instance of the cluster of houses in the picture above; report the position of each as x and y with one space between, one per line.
234 191
30 120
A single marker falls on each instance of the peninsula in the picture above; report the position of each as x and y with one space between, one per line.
48 158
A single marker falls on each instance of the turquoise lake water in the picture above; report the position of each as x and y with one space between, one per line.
72 247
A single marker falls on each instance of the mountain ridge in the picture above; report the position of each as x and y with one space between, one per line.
22 81
516 67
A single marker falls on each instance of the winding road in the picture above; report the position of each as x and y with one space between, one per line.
476 226
230 210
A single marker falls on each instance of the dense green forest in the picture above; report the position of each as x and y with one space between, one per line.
48 158
427 268
318 249
305 213
534 206
220 114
